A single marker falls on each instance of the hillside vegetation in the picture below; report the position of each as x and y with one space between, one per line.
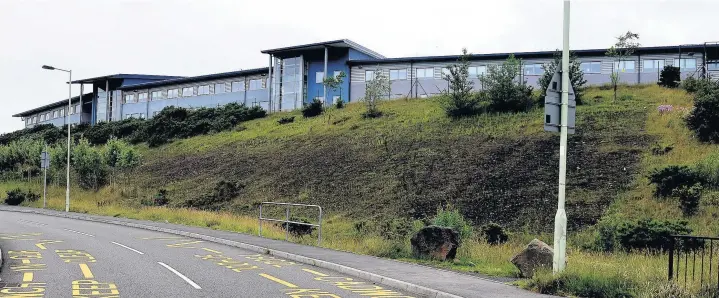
381 179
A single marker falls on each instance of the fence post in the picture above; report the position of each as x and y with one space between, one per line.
671 258
287 223
319 233
259 233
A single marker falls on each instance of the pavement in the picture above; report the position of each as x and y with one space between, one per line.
57 254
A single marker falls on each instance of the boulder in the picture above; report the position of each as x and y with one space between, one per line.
435 242
536 255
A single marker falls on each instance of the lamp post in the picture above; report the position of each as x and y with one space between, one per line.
67 122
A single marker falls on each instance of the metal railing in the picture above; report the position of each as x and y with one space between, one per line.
286 222
692 262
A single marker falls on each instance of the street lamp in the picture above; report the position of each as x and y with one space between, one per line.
67 122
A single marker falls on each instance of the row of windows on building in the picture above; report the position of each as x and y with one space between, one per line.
649 65
75 109
237 86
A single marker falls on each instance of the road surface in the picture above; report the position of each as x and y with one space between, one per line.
58 257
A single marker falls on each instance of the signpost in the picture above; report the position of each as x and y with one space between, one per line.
563 111
44 164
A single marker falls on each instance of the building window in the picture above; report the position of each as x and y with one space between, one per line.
445 72
142 97
203 90
77 109
713 66
172 93
397 74
71 111
62 113
256 84
591 67
34 120
129 98
320 99
238 86
336 73
424 73
368 75
187 91
624 66
47 116
142 115
335 98
156 95
219 88
533 69
319 77
54 114
686 63
653 65
476 71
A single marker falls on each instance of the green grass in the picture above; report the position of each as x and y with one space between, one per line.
414 159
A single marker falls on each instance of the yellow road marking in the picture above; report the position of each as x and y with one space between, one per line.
86 271
314 272
212 250
162 238
277 280
25 261
41 245
183 244
27 276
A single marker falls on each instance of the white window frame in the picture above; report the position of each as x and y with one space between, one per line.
479 70
398 71
335 98
370 75
141 97
590 66
320 98
427 73
258 81
336 73
62 112
319 77
191 89
54 114
206 89
654 63
678 63
222 89
621 66
240 84
537 69
445 72
155 95
129 98
78 109
173 93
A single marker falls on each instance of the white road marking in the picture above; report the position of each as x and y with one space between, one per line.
78 232
189 281
130 248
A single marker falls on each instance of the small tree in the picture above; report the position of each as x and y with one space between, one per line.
625 46
704 118
576 76
669 77
458 99
503 88
376 88
335 83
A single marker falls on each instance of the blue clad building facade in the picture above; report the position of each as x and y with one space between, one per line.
294 76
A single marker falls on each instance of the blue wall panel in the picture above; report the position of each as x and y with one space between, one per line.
357 55
315 89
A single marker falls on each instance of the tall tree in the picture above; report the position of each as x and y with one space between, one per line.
625 46
458 99
376 88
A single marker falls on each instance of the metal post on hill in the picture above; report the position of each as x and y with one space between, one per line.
44 164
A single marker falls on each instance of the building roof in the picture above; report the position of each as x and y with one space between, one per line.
124 76
182 80
57 104
340 43
538 54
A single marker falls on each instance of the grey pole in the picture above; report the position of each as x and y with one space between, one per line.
69 105
324 76
560 219
44 183
269 86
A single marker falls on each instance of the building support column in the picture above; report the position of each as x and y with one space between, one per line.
108 102
269 84
80 116
324 76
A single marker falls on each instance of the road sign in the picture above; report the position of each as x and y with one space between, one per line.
44 160
553 105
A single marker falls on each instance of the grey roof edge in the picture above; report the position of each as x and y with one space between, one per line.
352 44
53 105
196 78
126 76
517 54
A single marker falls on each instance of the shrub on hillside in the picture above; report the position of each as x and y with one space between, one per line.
458 99
102 132
285 120
15 197
669 77
47 132
340 104
708 168
494 233
672 177
643 234
704 118
396 229
689 197
222 193
87 161
451 217
503 91
583 284
312 109
298 229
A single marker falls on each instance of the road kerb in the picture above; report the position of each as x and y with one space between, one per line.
376 278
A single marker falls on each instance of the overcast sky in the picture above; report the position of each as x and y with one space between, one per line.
173 37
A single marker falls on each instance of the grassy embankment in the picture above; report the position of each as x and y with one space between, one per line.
499 168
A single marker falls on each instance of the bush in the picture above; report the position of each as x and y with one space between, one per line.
312 109
161 198
494 233
15 197
672 177
708 168
88 163
340 104
222 193
298 229
692 84
583 284
458 100
669 77
285 120
643 234
704 118
502 91
689 197
451 217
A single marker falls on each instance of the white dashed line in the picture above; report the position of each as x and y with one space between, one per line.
130 248
78 232
189 281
